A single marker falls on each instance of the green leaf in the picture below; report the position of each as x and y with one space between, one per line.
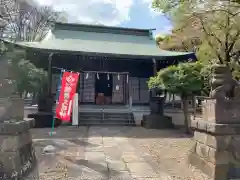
185 78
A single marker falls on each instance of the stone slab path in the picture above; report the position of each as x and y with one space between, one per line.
97 153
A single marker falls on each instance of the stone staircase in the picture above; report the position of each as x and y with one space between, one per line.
106 119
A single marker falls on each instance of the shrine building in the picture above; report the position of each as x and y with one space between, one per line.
114 62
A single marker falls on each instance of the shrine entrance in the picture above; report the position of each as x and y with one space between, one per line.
103 88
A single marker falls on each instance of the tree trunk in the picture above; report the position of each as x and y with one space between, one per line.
185 112
173 99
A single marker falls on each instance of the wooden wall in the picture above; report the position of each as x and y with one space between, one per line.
135 87
138 73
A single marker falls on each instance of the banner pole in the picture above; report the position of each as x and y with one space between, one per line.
57 97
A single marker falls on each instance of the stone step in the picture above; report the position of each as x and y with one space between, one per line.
115 120
100 113
106 123
106 118
90 114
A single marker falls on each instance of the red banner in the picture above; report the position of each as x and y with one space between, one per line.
67 91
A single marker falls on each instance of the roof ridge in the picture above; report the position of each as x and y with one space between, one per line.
103 28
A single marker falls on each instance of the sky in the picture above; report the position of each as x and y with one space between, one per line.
123 13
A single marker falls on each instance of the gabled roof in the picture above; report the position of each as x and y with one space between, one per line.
102 40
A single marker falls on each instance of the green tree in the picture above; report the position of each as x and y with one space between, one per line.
210 28
30 79
23 21
27 78
159 38
179 41
184 80
215 22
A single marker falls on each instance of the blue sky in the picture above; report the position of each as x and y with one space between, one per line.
125 13
142 17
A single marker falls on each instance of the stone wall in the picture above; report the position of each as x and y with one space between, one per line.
17 154
225 112
217 140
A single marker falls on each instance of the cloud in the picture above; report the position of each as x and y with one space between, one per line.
107 12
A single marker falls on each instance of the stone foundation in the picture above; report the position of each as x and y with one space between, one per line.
177 116
216 149
17 154
155 121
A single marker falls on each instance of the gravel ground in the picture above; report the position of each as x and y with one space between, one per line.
169 151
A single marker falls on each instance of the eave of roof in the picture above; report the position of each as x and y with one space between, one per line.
160 56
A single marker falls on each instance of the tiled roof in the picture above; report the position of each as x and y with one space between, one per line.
89 40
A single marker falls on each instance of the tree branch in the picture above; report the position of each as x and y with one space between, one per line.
235 39
209 41
29 24
227 55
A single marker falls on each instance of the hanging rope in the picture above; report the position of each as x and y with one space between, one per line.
102 72
107 72
81 71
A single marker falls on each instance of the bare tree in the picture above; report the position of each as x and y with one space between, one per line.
23 22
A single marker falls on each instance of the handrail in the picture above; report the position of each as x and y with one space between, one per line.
102 114
129 108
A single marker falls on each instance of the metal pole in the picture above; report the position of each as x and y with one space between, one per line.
57 98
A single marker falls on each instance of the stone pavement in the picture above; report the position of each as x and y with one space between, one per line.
98 153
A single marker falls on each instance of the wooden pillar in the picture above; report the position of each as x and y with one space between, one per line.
154 67
50 74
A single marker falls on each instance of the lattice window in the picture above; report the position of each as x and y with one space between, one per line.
88 88
118 94
134 89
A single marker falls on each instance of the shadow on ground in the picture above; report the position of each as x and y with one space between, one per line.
68 161
112 131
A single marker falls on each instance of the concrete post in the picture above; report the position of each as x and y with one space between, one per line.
216 150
